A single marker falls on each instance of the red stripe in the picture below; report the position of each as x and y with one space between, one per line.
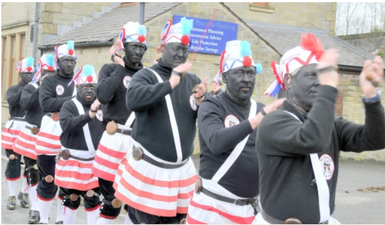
44 199
146 209
108 217
49 136
160 183
46 145
192 221
235 219
106 163
73 174
104 175
11 131
6 146
11 179
111 152
90 210
77 186
182 210
74 163
7 138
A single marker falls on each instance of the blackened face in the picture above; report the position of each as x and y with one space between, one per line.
66 65
174 54
26 77
134 51
240 83
87 92
303 86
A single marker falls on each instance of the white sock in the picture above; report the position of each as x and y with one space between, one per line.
12 187
92 216
103 220
45 209
69 216
33 195
24 185
127 220
60 210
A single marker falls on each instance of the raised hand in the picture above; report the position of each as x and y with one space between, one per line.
372 74
328 76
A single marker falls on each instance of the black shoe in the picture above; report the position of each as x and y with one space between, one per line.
59 222
24 200
11 203
34 216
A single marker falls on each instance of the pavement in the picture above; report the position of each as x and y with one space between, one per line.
352 205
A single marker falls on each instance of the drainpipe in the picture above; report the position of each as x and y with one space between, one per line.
141 13
35 30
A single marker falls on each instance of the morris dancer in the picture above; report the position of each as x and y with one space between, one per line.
11 131
157 178
54 91
114 79
82 125
25 142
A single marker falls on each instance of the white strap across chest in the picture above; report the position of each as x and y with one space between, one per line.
130 119
237 150
86 129
322 186
174 125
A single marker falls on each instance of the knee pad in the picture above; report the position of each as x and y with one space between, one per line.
12 157
33 177
49 179
72 201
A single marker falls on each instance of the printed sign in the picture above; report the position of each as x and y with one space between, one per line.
214 41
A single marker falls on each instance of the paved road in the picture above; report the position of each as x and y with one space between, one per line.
352 206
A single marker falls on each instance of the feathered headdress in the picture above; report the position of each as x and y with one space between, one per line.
237 54
46 62
132 32
308 52
26 65
65 50
179 32
85 74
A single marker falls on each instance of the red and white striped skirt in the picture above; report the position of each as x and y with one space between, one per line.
111 150
48 138
76 174
10 132
25 142
204 209
154 190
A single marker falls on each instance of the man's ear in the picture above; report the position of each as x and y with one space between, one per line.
224 78
288 81
161 48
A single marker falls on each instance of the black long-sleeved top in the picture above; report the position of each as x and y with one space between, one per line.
13 96
49 99
111 90
152 128
218 141
284 145
30 103
211 94
72 125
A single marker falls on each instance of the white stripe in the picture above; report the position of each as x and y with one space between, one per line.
108 157
74 180
86 129
130 119
174 125
237 150
104 168
22 149
322 186
73 169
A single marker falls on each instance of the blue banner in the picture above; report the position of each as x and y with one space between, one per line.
214 42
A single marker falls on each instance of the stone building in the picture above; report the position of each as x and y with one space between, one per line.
271 28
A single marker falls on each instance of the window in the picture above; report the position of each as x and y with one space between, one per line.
22 51
12 62
260 4
3 64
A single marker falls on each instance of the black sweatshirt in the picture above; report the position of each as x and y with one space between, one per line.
13 96
152 128
72 125
30 103
111 91
284 145
51 95
218 141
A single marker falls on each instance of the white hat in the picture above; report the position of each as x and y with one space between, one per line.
308 52
178 33
85 75
26 65
65 50
46 62
237 54
132 32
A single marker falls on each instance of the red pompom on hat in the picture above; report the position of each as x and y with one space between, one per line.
89 79
71 52
29 69
247 61
50 68
141 38
185 40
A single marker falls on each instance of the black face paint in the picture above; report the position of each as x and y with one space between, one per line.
26 77
304 86
174 54
240 83
66 65
87 92
134 51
